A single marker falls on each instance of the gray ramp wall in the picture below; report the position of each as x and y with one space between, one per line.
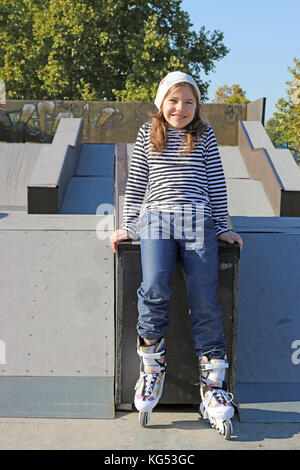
57 317
268 344
17 162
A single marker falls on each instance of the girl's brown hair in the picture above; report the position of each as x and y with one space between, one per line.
159 130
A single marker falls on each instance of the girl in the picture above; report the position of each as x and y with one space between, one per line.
175 181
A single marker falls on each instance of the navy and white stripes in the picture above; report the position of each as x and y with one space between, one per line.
171 181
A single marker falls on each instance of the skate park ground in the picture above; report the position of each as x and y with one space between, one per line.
168 430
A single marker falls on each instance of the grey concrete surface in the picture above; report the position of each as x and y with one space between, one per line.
246 196
282 159
182 430
16 165
56 316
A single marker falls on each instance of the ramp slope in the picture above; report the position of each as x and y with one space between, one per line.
92 185
16 165
246 196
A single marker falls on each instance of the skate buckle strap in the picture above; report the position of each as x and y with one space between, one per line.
154 369
157 355
209 366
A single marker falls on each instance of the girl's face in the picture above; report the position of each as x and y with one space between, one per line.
179 107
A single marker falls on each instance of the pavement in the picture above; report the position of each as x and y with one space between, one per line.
168 430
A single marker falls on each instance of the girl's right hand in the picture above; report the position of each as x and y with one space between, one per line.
118 236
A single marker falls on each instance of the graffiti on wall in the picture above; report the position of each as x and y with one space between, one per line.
103 121
233 113
37 121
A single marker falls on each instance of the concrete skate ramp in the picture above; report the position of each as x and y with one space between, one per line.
268 341
261 180
70 177
16 165
90 189
246 196
76 178
56 317
275 168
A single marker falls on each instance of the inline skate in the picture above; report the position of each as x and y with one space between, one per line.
149 386
216 405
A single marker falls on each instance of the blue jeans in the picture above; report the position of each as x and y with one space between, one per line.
159 254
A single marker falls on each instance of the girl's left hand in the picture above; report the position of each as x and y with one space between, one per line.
231 237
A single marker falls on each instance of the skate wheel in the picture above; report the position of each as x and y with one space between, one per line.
144 418
227 430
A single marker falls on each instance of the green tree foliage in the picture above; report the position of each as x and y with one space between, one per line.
100 49
284 126
234 94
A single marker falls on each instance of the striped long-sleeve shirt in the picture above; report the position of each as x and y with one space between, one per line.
173 178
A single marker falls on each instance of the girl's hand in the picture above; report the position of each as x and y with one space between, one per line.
231 237
116 237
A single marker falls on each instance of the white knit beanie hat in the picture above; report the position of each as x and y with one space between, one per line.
171 79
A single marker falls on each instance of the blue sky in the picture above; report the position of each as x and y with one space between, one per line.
263 37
